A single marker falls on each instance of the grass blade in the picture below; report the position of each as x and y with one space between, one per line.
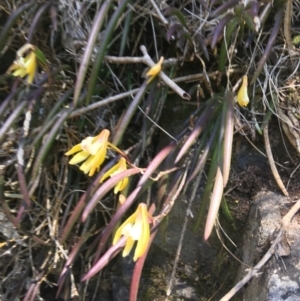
99 20
228 135
273 36
100 55
214 204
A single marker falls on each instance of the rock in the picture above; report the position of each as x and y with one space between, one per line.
279 279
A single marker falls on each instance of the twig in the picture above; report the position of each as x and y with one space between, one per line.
254 272
102 102
201 76
124 59
160 15
146 59
288 217
271 161
164 77
287 25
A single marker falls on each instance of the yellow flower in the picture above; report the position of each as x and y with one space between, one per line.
242 97
23 66
92 150
119 167
135 228
154 70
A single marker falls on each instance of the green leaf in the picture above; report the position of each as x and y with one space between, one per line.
41 58
249 21
215 201
228 125
223 53
110 28
226 210
205 198
258 128
176 12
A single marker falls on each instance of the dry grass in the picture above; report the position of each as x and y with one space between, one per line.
39 191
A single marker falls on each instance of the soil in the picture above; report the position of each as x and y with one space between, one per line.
251 172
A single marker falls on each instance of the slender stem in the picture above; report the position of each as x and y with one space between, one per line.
129 114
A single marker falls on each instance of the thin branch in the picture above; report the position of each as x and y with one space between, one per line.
164 77
160 15
146 59
271 162
103 102
288 217
124 59
201 76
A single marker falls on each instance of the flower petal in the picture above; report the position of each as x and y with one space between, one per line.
109 172
24 66
121 185
79 157
130 220
98 159
93 170
242 96
137 229
30 62
74 150
86 144
119 167
99 141
143 241
154 70
117 236
86 166
128 246
20 72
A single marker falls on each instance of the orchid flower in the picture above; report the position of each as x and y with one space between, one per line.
91 150
154 70
242 96
135 228
23 66
119 167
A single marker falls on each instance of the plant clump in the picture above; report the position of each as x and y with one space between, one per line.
84 86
